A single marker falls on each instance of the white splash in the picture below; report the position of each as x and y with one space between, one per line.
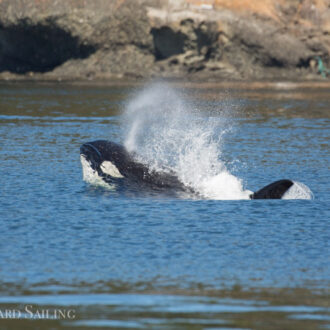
169 134
298 191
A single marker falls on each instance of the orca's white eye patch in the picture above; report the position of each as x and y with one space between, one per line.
109 168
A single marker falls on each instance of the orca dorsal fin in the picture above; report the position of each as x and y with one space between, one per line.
275 190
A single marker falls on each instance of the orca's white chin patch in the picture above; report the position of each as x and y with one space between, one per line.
89 174
110 169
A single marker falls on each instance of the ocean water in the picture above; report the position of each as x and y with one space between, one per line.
127 258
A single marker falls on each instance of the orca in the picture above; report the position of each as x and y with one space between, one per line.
111 161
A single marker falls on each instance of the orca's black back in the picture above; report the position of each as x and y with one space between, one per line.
134 170
275 190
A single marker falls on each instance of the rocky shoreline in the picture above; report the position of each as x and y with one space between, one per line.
85 40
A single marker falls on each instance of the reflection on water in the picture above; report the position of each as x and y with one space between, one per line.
125 259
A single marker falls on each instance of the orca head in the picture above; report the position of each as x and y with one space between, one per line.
103 158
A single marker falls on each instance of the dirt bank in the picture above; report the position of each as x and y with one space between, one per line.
107 39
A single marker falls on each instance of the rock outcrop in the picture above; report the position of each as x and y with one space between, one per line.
104 39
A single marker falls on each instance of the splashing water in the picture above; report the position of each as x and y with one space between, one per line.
298 191
169 134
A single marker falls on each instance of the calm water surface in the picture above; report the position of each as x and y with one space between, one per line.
122 259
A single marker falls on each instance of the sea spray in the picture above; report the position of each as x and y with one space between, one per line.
169 134
298 191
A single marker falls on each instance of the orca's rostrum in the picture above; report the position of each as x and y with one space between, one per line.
110 161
